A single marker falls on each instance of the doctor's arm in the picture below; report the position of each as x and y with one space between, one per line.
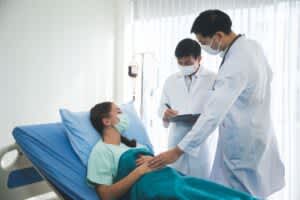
227 89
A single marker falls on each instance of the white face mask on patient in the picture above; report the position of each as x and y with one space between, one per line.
123 123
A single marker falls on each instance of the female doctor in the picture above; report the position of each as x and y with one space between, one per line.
185 92
247 157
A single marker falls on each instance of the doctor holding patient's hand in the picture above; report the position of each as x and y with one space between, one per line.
161 160
166 158
143 159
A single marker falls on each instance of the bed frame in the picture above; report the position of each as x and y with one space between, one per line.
21 179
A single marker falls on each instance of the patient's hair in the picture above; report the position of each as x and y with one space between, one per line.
100 111
187 47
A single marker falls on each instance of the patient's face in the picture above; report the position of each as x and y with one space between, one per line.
115 111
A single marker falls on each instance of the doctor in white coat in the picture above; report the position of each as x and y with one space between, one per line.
185 92
247 157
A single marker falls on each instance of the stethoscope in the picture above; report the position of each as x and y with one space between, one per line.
225 54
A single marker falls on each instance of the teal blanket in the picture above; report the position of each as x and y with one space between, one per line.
167 183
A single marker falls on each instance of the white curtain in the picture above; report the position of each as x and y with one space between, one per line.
160 24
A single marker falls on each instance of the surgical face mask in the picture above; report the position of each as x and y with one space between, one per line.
187 70
123 123
210 50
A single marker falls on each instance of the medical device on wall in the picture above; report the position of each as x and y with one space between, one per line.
133 73
136 71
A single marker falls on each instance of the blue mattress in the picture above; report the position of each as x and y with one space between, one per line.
48 148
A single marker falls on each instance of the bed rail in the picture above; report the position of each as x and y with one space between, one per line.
19 179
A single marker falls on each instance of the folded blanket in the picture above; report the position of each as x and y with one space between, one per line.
167 183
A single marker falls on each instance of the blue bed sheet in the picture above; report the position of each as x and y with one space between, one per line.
48 148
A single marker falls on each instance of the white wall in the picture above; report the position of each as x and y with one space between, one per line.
123 49
53 53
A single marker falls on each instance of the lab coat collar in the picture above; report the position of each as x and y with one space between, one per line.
201 72
232 46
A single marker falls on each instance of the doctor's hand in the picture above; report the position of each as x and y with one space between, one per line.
143 159
169 113
166 158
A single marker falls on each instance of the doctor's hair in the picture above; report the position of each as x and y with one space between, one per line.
101 111
211 21
187 47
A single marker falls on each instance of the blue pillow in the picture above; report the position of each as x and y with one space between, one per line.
136 129
83 136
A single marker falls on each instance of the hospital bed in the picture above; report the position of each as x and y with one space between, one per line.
45 162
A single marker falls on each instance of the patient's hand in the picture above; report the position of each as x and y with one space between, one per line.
144 169
143 159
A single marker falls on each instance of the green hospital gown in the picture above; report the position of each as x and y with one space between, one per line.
104 161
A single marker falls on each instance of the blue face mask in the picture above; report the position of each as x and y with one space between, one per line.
123 123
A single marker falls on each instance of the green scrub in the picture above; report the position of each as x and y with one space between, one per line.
104 161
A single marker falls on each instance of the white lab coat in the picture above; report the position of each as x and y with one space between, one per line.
247 156
176 94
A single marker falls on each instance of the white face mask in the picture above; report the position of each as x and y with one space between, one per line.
210 50
187 70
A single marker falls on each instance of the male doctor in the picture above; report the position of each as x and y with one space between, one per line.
185 92
247 157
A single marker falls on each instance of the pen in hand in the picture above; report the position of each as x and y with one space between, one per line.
169 113
168 106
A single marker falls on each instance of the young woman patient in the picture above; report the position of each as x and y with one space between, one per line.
109 121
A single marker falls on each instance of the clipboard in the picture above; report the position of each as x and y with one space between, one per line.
186 118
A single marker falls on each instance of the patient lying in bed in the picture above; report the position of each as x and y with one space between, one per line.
108 120
118 167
